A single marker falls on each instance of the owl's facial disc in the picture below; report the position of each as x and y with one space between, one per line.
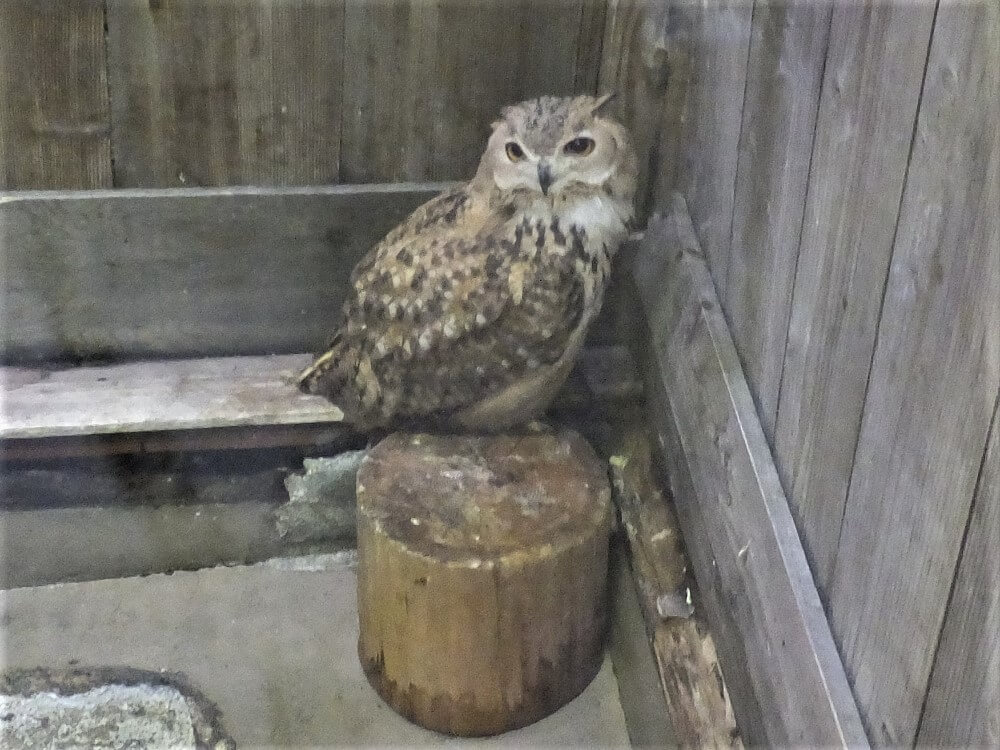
551 145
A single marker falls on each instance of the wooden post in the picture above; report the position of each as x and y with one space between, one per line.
482 577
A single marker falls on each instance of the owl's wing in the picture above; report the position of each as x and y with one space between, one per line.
435 321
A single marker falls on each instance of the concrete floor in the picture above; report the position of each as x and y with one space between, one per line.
272 645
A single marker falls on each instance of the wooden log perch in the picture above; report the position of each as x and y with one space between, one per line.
482 577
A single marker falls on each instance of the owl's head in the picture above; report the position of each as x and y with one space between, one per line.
560 145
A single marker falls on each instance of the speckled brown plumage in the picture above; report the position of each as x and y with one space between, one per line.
472 310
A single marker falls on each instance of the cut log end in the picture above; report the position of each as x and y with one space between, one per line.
482 576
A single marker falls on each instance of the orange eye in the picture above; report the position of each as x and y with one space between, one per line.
579 146
514 151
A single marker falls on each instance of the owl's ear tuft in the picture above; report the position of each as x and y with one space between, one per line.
600 101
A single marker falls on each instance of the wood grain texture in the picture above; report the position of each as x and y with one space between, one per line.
54 114
145 274
864 130
717 608
643 61
963 700
482 570
424 80
744 545
640 52
788 46
225 93
690 675
719 42
147 396
210 404
697 699
934 383
589 44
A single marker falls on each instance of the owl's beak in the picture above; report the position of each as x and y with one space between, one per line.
544 177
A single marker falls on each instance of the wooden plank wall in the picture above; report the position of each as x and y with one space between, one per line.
169 93
55 122
841 164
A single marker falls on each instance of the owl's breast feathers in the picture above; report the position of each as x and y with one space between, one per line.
457 304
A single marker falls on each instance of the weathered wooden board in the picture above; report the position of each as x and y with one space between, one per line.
788 45
423 81
643 62
225 93
934 382
54 115
690 675
864 130
323 438
210 403
746 553
589 42
191 272
165 395
963 701
718 40
720 614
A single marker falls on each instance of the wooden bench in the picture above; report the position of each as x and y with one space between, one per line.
210 402
203 301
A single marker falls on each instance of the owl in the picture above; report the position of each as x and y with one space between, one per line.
470 313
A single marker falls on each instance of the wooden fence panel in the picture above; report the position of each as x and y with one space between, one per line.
719 45
644 56
54 117
425 80
751 569
871 88
224 93
963 701
128 274
934 383
788 48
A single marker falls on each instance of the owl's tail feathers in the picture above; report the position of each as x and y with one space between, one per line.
326 377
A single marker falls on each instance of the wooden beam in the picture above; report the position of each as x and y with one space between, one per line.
164 395
746 553
688 668
214 403
184 272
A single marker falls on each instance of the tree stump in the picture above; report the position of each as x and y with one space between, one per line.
482 576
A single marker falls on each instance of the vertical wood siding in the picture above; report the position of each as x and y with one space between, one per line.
54 116
162 93
841 163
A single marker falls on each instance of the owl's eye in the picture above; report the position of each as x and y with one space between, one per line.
579 146
514 151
